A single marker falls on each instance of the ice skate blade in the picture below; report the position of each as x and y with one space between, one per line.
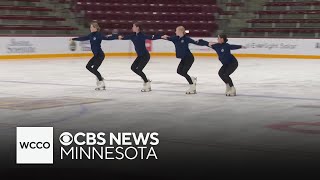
230 95
143 90
195 92
100 89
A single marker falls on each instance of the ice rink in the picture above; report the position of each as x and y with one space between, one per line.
276 113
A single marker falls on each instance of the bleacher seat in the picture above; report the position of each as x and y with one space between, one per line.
155 15
28 17
286 18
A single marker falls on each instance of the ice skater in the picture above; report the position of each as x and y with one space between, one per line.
229 62
139 40
94 63
181 42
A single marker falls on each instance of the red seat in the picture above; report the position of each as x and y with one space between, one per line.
28 27
100 15
153 1
28 0
158 24
154 15
194 32
147 7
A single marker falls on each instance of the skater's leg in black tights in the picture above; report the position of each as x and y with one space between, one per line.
226 70
94 64
139 64
184 66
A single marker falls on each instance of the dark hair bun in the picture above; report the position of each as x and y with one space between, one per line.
224 37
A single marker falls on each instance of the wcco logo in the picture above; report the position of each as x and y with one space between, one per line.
34 145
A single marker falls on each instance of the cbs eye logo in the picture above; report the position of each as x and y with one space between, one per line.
66 138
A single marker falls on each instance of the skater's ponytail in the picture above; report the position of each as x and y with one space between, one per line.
95 25
224 37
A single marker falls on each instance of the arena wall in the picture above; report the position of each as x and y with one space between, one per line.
61 47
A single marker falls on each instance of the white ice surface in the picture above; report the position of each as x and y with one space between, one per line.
270 91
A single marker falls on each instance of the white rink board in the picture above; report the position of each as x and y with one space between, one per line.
55 45
61 45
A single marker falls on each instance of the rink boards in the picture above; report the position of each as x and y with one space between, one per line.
61 47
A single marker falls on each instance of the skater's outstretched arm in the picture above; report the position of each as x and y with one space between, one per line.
152 37
83 38
110 37
234 47
206 43
169 38
199 43
212 45
127 37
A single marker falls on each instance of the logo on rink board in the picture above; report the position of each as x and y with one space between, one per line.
149 45
85 46
318 45
272 45
15 46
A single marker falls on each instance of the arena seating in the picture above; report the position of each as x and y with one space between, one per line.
230 8
286 19
157 16
29 17
153 1
233 7
275 18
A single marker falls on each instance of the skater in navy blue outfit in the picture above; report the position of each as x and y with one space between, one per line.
95 38
181 43
138 38
229 62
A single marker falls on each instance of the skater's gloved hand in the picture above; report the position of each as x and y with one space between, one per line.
243 47
200 41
